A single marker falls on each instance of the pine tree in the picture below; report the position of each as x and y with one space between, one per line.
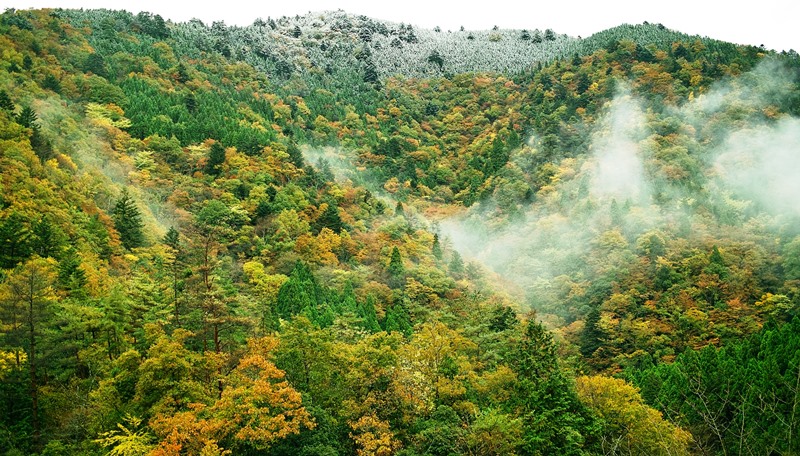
295 155
28 118
396 269
371 74
298 294
128 222
181 73
216 157
368 315
329 219
456 266
436 59
397 320
15 241
555 421
436 249
46 240
5 102
51 83
71 276
592 336
31 302
95 64
173 240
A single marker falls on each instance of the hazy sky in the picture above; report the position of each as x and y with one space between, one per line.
772 23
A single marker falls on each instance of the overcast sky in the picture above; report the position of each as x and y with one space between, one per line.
773 23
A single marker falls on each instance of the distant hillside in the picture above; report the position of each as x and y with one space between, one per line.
336 42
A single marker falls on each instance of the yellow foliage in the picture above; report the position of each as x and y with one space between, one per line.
265 285
631 426
373 437
107 115
496 384
11 360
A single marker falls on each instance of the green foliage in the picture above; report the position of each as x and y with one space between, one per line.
5 102
15 241
329 219
46 238
554 420
71 276
741 396
299 294
216 157
128 221
95 64
436 247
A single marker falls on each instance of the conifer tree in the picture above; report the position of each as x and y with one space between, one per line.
555 421
46 239
15 239
31 301
5 102
366 312
396 269
295 155
95 64
329 219
216 157
592 336
70 275
28 118
299 293
436 248
397 320
172 239
128 222
456 265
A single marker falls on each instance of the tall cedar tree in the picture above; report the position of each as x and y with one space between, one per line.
128 222
5 101
299 293
216 157
396 269
554 419
329 219
436 248
15 239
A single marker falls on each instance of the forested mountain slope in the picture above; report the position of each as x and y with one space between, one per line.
334 235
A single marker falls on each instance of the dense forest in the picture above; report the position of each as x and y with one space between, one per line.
331 235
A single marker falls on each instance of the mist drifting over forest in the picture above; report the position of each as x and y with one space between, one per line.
617 193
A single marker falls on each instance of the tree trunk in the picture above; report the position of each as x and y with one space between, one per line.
34 385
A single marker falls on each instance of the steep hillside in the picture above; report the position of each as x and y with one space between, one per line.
334 235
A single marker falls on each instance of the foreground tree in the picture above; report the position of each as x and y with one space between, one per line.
28 298
256 409
554 420
629 425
